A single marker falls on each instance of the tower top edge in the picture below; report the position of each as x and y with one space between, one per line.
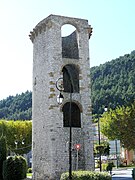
53 16
58 19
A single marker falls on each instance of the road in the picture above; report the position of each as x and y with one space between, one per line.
119 174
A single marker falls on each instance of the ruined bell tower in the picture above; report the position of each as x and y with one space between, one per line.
55 56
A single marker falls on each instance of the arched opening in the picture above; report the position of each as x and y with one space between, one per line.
75 115
70 78
69 42
67 29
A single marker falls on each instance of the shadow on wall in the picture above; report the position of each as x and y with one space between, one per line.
70 46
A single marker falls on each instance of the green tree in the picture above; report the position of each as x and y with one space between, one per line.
103 149
120 124
18 135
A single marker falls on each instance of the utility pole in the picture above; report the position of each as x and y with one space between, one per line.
99 142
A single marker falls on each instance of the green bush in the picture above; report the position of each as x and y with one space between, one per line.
15 168
104 166
86 175
122 165
3 152
109 166
29 170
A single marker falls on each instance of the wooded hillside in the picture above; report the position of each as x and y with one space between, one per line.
113 84
17 107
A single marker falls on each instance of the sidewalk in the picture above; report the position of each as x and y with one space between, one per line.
122 174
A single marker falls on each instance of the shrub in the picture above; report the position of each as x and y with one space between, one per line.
109 166
104 166
122 165
86 175
3 152
29 170
15 168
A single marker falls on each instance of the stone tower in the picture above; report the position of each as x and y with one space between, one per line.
66 57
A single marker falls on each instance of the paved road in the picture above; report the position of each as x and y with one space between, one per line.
122 174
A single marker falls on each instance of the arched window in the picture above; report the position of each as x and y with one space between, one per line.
69 42
75 115
70 78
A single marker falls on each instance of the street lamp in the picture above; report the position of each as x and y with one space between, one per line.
59 86
60 97
16 143
99 143
105 108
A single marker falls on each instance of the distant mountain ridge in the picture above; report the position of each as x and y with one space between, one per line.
112 83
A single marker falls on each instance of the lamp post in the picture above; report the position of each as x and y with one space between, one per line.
99 143
60 97
116 146
70 137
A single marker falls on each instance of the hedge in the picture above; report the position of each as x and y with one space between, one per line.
15 168
86 175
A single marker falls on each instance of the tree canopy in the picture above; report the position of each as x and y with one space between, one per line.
102 149
120 124
18 135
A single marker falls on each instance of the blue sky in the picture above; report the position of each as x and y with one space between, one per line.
113 34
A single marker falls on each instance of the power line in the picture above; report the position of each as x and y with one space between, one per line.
30 145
